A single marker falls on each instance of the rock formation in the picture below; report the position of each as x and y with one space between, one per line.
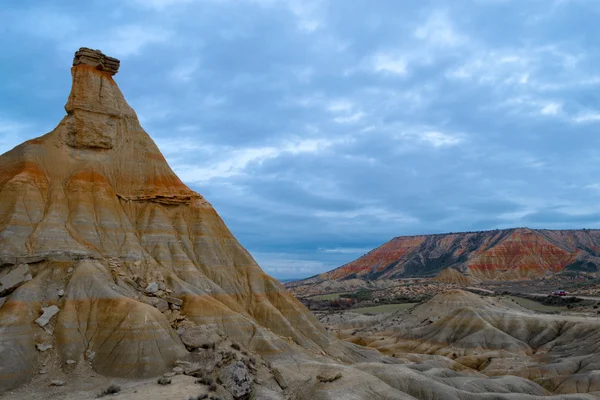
491 337
94 222
451 275
509 254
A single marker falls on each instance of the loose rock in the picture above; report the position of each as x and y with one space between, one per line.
43 346
178 370
236 379
14 279
280 379
57 383
174 300
204 336
329 376
48 313
152 288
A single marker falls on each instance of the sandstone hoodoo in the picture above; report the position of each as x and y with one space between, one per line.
91 216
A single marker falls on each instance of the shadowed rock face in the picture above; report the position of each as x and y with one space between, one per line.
501 254
94 213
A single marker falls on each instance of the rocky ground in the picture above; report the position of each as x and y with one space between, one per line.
484 337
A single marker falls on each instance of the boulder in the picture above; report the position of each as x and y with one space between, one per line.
202 336
280 379
174 300
14 278
152 288
43 346
329 376
236 380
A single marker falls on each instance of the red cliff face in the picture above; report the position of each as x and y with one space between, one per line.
501 254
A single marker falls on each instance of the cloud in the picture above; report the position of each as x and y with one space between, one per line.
551 109
13 133
346 250
440 139
286 265
438 30
184 72
390 63
128 40
161 5
587 117
226 162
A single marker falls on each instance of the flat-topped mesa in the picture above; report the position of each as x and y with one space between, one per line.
96 59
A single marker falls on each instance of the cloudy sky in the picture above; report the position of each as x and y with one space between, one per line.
320 129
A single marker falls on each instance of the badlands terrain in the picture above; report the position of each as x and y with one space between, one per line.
118 280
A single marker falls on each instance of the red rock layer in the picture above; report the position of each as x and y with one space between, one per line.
500 254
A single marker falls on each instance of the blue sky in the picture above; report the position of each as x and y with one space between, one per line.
320 129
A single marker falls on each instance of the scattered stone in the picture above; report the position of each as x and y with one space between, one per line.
178 370
169 374
57 383
71 362
202 336
90 355
48 313
162 286
164 381
43 346
200 364
61 293
157 302
280 379
174 300
152 288
43 371
14 279
175 307
329 376
70 270
236 379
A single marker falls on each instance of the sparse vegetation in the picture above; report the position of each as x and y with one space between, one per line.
164 381
112 389
386 308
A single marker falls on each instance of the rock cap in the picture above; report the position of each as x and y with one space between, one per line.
96 59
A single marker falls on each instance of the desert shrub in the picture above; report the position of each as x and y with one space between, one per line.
164 381
112 389
360 295
208 381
